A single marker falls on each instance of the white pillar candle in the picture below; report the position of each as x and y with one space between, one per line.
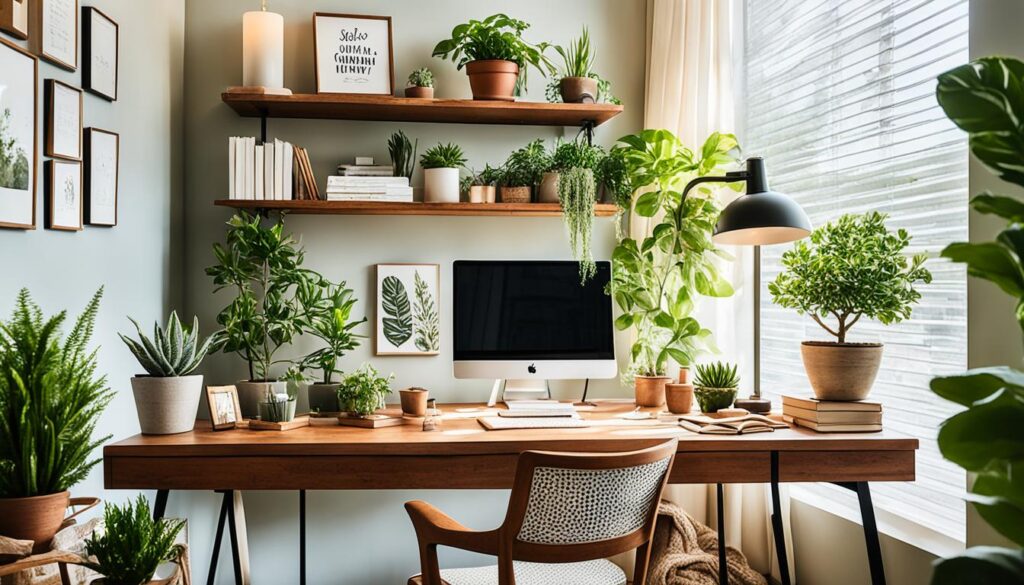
262 49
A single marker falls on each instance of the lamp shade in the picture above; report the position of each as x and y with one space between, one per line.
761 217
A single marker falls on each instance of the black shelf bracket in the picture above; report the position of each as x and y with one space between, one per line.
588 130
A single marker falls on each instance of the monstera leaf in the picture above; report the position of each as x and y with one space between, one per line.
395 302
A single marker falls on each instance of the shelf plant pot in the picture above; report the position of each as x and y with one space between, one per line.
714 399
167 406
515 194
650 390
493 79
284 411
414 401
547 192
841 371
441 185
35 518
323 397
419 92
679 398
578 90
482 194
251 393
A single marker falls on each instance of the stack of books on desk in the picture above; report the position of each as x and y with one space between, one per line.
826 416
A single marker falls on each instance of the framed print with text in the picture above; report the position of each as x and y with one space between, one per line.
352 54
19 75
14 18
63 120
63 195
99 53
56 36
102 154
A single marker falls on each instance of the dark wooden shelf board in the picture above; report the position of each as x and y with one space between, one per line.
396 109
415 208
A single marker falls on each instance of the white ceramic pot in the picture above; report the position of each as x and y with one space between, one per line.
250 394
167 406
441 185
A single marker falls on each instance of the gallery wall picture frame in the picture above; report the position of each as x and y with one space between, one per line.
19 112
408 310
102 165
63 120
348 53
225 411
100 53
64 195
14 18
56 32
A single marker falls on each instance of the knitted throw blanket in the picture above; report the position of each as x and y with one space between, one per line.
685 552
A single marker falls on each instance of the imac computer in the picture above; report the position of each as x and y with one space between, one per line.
522 323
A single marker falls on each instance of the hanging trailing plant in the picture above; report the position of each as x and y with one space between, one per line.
577 191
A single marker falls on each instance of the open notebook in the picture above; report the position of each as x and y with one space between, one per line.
736 425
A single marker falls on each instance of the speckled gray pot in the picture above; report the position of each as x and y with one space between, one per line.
167 406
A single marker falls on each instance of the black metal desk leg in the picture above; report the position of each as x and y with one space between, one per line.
302 537
777 531
160 506
723 567
211 577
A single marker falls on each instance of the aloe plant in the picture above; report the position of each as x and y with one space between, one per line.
174 351
443 156
133 544
716 375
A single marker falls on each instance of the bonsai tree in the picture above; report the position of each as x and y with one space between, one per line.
172 352
132 545
329 310
364 391
850 268
576 162
421 77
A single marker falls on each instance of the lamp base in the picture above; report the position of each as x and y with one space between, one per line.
754 404
259 90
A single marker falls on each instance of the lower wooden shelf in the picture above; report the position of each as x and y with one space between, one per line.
414 208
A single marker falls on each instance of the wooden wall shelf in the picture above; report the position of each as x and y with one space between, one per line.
395 109
416 208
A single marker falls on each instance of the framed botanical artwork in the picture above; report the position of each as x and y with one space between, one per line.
19 73
225 411
14 18
353 54
56 36
63 195
102 155
63 120
408 311
99 53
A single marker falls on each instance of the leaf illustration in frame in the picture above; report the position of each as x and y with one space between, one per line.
425 318
395 303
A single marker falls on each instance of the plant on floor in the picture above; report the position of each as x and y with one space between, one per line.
403 154
443 156
578 62
525 166
132 545
984 99
422 77
715 385
364 391
329 310
175 351
656 281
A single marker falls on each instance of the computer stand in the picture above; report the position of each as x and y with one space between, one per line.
519 390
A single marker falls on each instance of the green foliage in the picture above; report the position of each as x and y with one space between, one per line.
132 544
175 351
577 57
526 166
329 310
364 390
443 156
656 281
422 77
577 192
50 400
716 375
613 174
426 322
485 178
14 162
403 154
985 99
263 266
851 268
495 37
395 304
576 154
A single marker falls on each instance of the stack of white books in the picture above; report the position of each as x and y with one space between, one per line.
370 170
369 188
260 171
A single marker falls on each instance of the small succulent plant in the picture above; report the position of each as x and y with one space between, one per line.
421 77
174 351
443 156
716 386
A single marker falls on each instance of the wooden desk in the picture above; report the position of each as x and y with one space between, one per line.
465 456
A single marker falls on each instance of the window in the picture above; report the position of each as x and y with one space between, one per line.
841 103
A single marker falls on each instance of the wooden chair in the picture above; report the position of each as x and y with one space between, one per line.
570 511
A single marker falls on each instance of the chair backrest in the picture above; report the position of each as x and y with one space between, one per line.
568 507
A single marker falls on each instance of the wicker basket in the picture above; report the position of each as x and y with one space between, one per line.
515 194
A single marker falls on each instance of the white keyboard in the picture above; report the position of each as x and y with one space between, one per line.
497 423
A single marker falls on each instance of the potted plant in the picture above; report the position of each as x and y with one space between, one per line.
613 182
575 163
848 269
421 84
362 392
480 187
50 401
522 172
329 310
441 166
657 281
167 396
403 154
495 56
715 386
279 407
263 266
132 545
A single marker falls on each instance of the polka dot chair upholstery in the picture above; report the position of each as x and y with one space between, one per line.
567 514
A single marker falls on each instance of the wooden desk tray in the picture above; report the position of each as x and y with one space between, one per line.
296 423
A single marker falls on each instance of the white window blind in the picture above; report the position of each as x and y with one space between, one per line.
841 103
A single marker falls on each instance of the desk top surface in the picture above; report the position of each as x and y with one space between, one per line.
461 434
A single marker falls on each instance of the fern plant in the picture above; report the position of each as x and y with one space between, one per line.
443 156
50 400
132 544
427 325
422 77
577 192
174 351
403 154
716 375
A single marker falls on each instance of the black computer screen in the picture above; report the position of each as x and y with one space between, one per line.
524 310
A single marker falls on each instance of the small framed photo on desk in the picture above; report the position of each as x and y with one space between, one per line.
225 412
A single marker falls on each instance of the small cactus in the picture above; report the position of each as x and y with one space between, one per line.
174 351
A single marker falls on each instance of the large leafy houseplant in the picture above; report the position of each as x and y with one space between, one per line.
986 99
329 311
132 544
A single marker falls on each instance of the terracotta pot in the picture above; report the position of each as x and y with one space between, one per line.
650 390
578 90
679 398
167 406
515 194
414 401
250 394
841 371
684 375
493 79
441 185
323 398
482 194
37 518
547 192
419 92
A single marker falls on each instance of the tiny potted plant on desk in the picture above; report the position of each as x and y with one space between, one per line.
363 392
167 398
421 84
441 166
715 386
495 56
848 269
131 545
330 314
578 83
522 172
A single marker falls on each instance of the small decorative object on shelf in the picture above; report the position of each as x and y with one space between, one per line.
441 166
421 84
225 412
100 48
716 385
353 54
132 545
408 309
578 83
262 53
522 172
